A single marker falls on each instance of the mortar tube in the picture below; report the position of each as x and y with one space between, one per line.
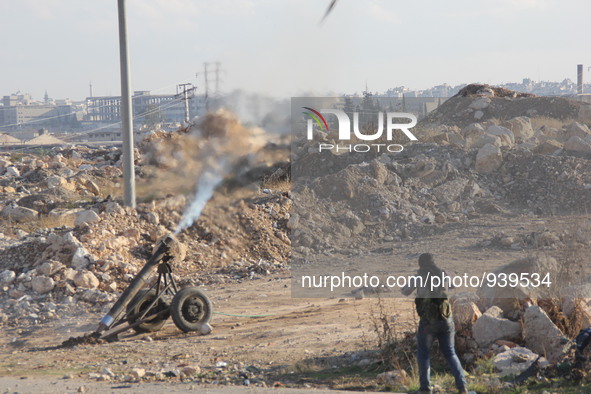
134 287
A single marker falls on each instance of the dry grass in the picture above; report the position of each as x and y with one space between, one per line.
280 185
540 121
10 227
279 180
113 189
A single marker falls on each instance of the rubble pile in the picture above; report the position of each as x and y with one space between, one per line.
455 172
480 103
67 245
519 326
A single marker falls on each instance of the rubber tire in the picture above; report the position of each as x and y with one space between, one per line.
183 300
146 297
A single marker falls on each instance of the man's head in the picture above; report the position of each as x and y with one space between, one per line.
426 260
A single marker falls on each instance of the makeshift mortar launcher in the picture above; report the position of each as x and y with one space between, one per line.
146 309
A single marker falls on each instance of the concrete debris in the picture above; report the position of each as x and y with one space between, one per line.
577 144
86 217
542 336
577 129
491 326
465 314
19 214
508 298
514 361
42 284
489 158
86 279
520 127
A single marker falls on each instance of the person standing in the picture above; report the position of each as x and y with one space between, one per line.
435 322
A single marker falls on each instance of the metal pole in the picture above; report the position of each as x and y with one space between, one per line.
126 115
186 99
206 87
579 79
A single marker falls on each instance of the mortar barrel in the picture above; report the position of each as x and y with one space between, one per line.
135 286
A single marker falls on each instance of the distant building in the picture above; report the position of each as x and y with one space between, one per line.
17 99
147 108
20 111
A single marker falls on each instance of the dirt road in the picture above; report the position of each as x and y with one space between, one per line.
294 342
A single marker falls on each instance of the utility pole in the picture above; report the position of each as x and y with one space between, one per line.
187 93
126 114
579 79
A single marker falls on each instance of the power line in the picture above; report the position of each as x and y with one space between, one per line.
70 114
187 93
217 80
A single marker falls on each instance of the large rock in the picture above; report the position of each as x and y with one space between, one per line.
7 276
577 129
521 127
491 327
92 187
548 147
42 284
86 217
508 298
472 135
542 336
465 313
488 139
577 144
12 172
46 268
516 360
451 191
489 158
56 181
80 259
86 279
19 214
504 133
480 103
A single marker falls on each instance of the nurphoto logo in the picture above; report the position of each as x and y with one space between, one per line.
344 130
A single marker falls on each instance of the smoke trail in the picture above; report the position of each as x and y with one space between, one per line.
221 143
209 180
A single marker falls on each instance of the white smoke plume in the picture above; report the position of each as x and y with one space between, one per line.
209 180
221 143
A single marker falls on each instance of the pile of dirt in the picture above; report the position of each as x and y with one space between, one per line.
458 170
479 103
475 89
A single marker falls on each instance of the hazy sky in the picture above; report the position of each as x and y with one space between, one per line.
278 46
